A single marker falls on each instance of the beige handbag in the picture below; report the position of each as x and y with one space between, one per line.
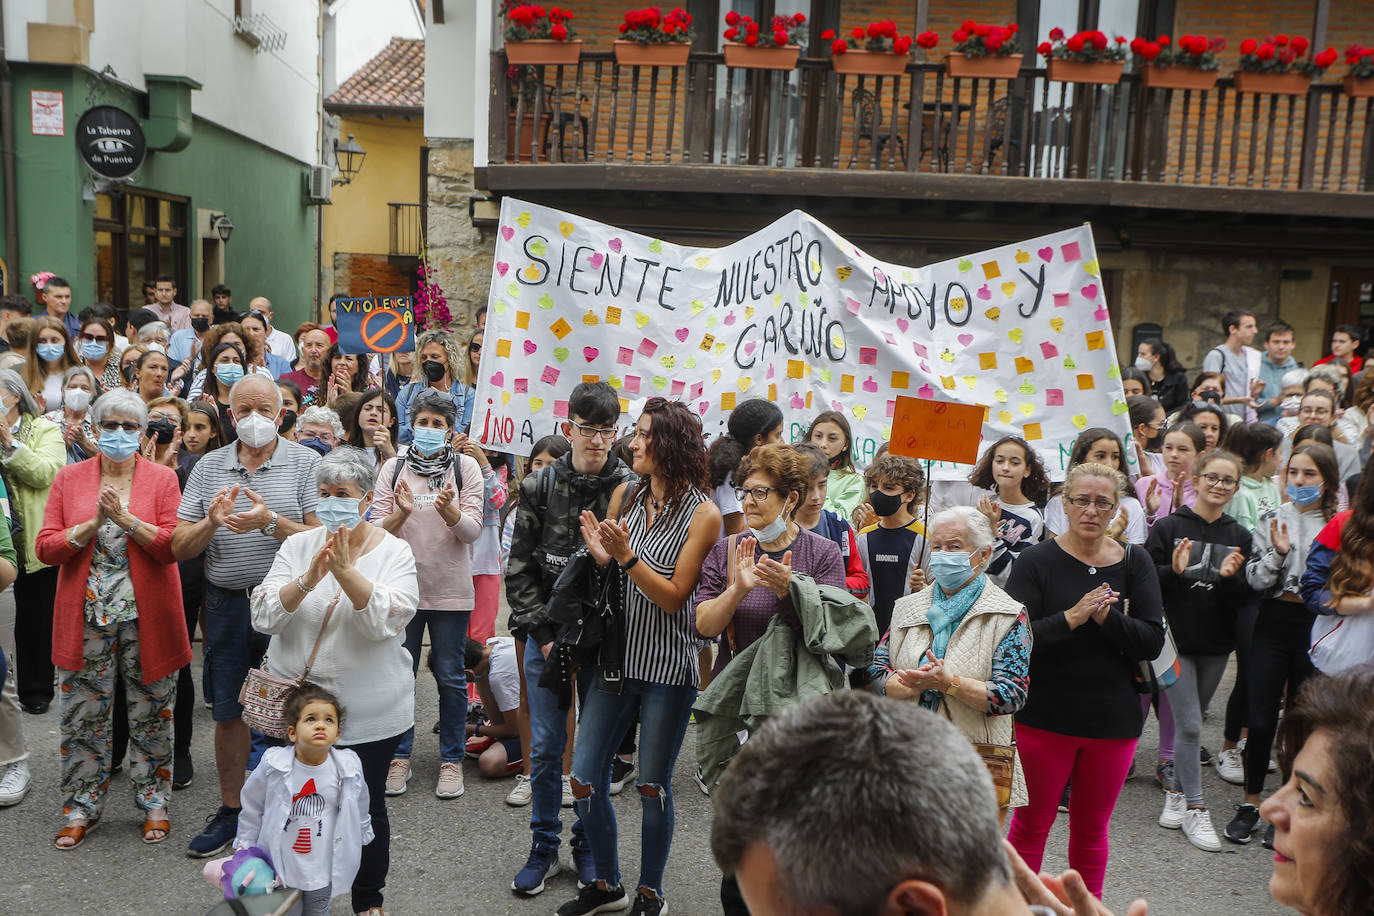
263 694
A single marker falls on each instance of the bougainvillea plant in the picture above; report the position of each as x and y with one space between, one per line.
1283 54
651 26
1087 47
784 30
530 21
1196 51
880 36
978 39
431 308
1361 62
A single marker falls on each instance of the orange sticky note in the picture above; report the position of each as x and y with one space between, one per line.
796 368
522 320
991 270
901 380
727 401
847 384
560 328
1086 383
1095 339
938 430
987 360
947 381
592 380
1032 432
613 314
503 347
1024 365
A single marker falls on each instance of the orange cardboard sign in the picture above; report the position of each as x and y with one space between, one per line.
938 430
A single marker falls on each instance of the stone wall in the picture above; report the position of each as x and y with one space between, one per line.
460 254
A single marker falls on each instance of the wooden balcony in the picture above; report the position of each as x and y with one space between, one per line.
810 133
406 230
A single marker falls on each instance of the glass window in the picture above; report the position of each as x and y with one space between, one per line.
138 210
138 237
104 207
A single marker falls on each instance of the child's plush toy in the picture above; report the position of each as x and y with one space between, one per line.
244 874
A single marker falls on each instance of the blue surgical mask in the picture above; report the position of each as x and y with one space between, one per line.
94 349
118 444
50 352
336 511
228 373
950 569
428 441
1304 496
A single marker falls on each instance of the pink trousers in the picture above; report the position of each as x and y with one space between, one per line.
1097 767
486 603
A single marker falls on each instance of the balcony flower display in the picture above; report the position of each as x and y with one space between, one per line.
878 50
1359 78
1280 64
1189 63
536 35
984 51
750 46
1085 57
653 38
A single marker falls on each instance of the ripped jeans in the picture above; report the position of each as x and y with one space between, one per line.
664 710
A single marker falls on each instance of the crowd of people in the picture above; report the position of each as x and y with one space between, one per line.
197 469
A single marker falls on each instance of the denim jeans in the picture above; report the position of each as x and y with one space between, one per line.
663 710
234 647
448 634
548 736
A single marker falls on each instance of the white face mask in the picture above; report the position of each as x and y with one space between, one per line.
76 398
255 430
774 529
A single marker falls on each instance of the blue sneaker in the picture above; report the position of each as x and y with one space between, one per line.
584 863
219 831
542 863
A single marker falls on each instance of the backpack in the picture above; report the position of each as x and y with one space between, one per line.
457 473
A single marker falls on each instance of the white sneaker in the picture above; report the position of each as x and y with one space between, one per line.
1175 803
14 785
520 793
397 775
1197 827
1231 766
450 780
567 792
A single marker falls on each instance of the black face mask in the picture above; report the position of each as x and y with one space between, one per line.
885 504
200 325
162 429
434 370
288 422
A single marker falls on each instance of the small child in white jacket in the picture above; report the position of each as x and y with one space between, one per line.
307 804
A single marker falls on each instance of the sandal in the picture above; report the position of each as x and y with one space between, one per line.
149 825
76 832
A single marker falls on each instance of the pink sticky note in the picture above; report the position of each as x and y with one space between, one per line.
550 376
1061 300
1070 251
626 356
888 336
647 347
678 388
1054 397
1048 350
560 410
919 348
697 388
891 408
852 304
1102 314
868 356
522 385
925 391
632 384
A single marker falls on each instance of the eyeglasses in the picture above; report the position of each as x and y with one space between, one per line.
758 494
1219 483
1101 503
475 346
111 425
594 432
96 338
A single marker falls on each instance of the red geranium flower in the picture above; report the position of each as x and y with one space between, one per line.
828 35
839 46
1056 34
558 32
731 34
1045 49
927 40
1248 46
732 18
1265 51
1325 58
1299 44
1075 43
1280 39
1151 50
751 39
779 38
960 36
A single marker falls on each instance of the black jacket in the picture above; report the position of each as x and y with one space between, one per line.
1171 391
1200 605
547 531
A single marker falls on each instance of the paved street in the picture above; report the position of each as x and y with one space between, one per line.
459 856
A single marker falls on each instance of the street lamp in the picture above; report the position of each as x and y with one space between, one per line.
348 156
222 225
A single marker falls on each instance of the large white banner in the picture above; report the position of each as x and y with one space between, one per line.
798 315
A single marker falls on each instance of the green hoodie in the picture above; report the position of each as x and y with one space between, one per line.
31 463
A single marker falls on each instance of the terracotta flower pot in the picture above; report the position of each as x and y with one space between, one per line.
1273 83
988 67
1101 72
774 58
544 51
1178 77
1359 88
522 136
870 63
662 54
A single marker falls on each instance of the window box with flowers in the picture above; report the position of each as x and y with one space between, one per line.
1086 57
983 51
874 51
652 38
535 35
1359 79
748 47
1279 65
1189 64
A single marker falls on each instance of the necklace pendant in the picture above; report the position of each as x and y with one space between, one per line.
1092 570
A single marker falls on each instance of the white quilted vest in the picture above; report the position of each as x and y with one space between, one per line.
969 655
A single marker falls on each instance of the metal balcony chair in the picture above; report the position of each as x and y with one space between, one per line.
565 122
867 113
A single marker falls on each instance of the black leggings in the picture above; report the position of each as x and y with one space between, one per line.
1278 657
1238 704
192 596
35 593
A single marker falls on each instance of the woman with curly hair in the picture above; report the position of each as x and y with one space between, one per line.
659 544
442 365
1014 470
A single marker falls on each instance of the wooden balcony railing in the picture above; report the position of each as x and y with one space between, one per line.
407 230
926 121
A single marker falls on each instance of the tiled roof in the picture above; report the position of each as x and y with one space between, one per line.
395 78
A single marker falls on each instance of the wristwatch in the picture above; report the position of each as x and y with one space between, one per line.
270 529
953 687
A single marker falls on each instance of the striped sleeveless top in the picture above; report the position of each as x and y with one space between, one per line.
659 646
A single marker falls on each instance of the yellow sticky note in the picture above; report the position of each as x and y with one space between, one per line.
1095 339
624 406
707 342
987 360
772 392
1086 383
1024 365
796 368
613 314
727 401
947 381
901 380
991 270
503 348
1032 432
522 320
560 328
847 384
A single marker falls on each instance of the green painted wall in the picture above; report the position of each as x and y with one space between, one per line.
271 252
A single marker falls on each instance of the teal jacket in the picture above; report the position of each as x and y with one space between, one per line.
782 668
